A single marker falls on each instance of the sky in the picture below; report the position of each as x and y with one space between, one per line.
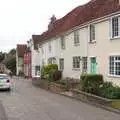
20 19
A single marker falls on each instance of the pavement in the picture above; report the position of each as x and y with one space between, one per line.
27 102
2 112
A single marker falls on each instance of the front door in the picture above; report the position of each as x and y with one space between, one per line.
93 65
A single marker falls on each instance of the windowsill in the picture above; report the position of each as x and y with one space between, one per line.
113 76
113 38
76 69
92 42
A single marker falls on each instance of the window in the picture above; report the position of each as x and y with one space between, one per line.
92 33
52 60
50 48
84 64
76 38
61 63
42 50
37 70
115 27
76 62
114 65
62 42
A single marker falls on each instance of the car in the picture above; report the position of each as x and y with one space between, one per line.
5 82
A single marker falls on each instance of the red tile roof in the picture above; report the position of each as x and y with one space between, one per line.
80 15
21 48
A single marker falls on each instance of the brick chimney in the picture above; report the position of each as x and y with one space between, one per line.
52 21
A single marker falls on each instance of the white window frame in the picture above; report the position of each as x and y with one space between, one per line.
76 38
62 42
76 62
111 28
92 34
49 47
84 64
61 64
114 66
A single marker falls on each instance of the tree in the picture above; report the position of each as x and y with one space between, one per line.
12 51
2 56
11 64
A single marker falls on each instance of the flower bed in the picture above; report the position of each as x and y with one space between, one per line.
57 87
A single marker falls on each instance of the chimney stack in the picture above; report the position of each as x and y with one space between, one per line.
52 21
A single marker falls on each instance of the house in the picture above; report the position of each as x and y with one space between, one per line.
27 61
86 40
20 50
35 56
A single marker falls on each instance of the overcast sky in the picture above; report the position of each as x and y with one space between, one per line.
19 19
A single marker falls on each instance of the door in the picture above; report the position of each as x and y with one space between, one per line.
93 65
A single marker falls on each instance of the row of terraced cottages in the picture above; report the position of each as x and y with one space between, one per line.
86 40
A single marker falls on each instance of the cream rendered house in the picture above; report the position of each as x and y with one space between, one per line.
35 57
86 40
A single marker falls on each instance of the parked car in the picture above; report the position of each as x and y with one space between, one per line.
5 82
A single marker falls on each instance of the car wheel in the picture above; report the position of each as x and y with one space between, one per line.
9 89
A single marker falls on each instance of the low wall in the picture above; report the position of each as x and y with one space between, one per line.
90 97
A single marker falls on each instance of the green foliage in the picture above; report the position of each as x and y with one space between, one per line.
91 83
12 51
2 56
46 71
110 91
61 82
11 64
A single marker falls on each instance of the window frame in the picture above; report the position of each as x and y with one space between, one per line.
49 47
114 66
61 66
84 64
76 38
92 33
76 62
62 42
37 69
111 27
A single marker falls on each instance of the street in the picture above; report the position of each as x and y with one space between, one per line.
27 102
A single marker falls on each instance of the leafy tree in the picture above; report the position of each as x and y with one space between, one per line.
11 64
12 51
2 56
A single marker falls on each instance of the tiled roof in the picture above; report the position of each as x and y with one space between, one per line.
21 48
80 15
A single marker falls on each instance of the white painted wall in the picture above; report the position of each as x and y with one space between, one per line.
35 56
71 50
103 48
46 54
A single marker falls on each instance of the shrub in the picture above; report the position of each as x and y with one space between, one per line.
91 83
46 71
62 82
56 75
110 91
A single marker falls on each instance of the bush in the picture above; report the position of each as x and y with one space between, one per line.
46 71
56 75
91 83
110 91
61 82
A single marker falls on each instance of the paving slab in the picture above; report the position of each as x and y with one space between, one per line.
2 112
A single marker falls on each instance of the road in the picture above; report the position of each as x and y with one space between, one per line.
27 102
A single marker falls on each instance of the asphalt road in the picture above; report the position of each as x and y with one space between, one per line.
27 102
